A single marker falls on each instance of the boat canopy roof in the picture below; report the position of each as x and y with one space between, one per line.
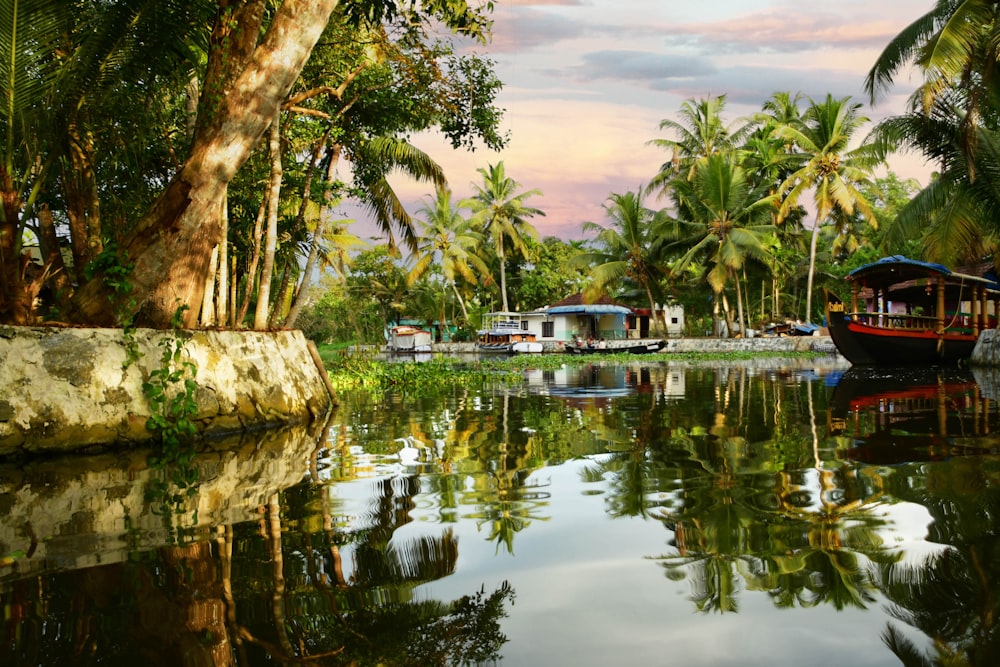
898 268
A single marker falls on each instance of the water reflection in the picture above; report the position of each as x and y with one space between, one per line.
636 509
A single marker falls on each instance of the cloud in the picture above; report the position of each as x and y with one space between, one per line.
543 3
775 31
786 30
520 30
640 66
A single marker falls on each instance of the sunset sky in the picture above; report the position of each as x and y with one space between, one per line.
587 82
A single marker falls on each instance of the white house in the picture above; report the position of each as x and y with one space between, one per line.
571 317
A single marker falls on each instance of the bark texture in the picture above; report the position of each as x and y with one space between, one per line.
171 246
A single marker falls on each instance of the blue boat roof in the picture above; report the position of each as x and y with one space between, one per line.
589 309
908 269
899 260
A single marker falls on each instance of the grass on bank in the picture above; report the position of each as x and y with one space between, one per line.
348 368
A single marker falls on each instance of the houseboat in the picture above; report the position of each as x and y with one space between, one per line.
903 311
506 333
405 338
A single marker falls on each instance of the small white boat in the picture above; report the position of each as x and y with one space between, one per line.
405 338
505 333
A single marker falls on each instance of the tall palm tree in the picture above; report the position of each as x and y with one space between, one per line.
830 168
701 132
725 221
769 159
449 241
498 209
628 250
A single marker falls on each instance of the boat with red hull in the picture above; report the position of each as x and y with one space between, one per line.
903 311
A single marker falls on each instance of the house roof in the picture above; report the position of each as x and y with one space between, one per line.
590 309
575 303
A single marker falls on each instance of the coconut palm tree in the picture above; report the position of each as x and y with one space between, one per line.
628 250
701 132
957 46
499 211
725 221
955 214
830 168
449 241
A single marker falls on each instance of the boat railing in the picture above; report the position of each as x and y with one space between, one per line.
956 322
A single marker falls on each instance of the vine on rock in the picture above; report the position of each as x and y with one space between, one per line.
171 392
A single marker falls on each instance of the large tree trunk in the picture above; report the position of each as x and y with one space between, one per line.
172 244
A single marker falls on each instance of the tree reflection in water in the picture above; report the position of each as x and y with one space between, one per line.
771 485
271 592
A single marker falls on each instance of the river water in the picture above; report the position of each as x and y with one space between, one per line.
784 512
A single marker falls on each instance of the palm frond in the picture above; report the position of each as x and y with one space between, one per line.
900 50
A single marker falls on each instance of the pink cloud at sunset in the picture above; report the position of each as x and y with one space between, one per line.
586 84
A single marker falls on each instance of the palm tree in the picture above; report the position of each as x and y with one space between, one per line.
955 214
448 240
769 159
498 209
830 168
628 250
725 221
701 133
957 45
374 159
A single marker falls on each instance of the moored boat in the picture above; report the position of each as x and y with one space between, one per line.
903 311
505 333
405 339
616 347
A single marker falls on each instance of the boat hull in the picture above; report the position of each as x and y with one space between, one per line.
867 345
640 348
520 347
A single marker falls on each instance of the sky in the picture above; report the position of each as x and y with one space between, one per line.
587 82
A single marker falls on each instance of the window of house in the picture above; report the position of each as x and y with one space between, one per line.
548 329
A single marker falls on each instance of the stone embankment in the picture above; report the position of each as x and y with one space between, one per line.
67 389
987 350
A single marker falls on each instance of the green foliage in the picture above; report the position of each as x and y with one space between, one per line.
551 275
360 370
171 392
339 317
115 270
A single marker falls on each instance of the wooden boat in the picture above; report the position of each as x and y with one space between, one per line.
904 311
504 333
407 339
616 347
